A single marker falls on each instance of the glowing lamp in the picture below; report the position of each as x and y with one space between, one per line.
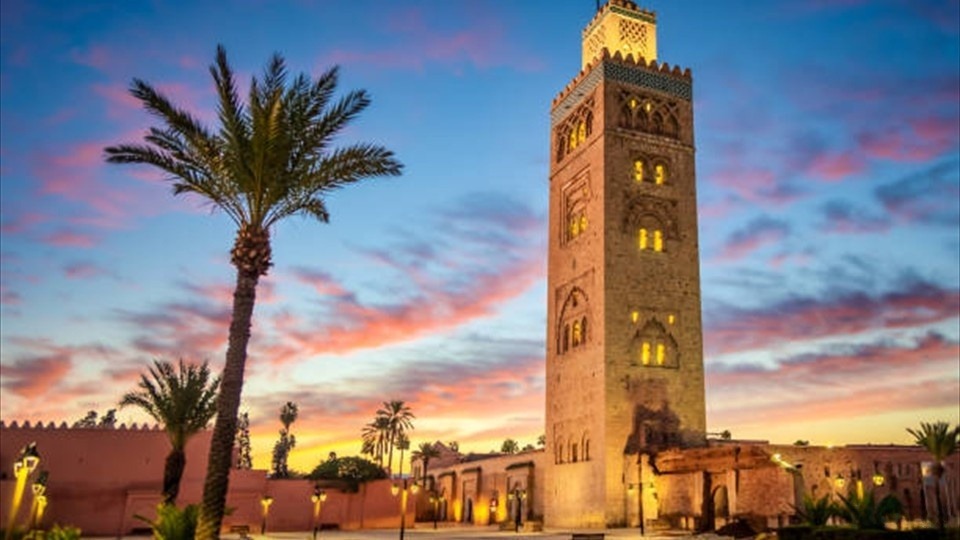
839 481
414 488
395 490
265 502
878 479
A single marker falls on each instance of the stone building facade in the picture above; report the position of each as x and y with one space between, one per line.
624 359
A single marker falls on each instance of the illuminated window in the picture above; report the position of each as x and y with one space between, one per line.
576 333
645 353
638 170
661 353
583 223
660 174
582 132
634 316
650 239
573 139
671 319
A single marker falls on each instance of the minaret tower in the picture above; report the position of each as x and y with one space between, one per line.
624 337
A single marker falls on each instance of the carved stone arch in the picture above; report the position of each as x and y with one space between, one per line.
641 209
572 321
671 127
668 169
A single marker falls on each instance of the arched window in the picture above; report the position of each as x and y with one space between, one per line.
576 333
583 330
566 338
586 448
656 346
645 353
658 240
582 132
573 453
638 170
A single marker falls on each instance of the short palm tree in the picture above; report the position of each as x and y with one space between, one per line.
941 441
182 400
270 158
399 418
425 452
816 512
864 512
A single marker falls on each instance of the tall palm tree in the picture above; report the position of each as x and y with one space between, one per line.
399 419
269 159
375 436
183 400
941 441
425 452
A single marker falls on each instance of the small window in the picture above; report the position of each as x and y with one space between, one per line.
660 174
645 353
573 453
661 353
583 330
576 333
638 170
582 132
586 450
644 241
650 239
658 240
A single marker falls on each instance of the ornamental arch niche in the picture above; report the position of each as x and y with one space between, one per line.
655 346
573 324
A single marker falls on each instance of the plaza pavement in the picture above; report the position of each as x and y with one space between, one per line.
426 532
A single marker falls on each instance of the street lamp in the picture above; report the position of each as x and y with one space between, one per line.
22 469
436 499
265 503
39 489
318 497
517 496
402 491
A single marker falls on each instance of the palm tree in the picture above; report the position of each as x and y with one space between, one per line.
941 442
375 436
816 512
399 419
425 452
510 446
271 158
183 400
863 512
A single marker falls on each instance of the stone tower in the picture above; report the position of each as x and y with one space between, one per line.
624 338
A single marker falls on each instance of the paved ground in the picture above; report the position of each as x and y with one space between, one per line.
425 532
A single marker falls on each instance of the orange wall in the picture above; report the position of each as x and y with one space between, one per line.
100 478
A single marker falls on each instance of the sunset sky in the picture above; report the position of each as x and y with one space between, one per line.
828 164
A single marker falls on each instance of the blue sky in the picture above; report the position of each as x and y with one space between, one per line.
828 162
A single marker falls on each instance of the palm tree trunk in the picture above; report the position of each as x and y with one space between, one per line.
172 473
228 403
938 474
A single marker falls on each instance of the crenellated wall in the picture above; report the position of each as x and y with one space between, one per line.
100 478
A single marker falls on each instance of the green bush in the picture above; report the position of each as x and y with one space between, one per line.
173 523
62 533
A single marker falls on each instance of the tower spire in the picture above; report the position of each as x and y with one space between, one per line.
620 26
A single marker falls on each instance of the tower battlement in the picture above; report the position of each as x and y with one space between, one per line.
639 62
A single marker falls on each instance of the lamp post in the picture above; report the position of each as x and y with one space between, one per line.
39 489
436 499
402 491
265 503
318 497
517 496
22 468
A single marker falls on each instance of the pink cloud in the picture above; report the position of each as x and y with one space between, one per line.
834 167
757 185
483 45
83 271
755 235
97 56
34 377
917 304
67 238
859 381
